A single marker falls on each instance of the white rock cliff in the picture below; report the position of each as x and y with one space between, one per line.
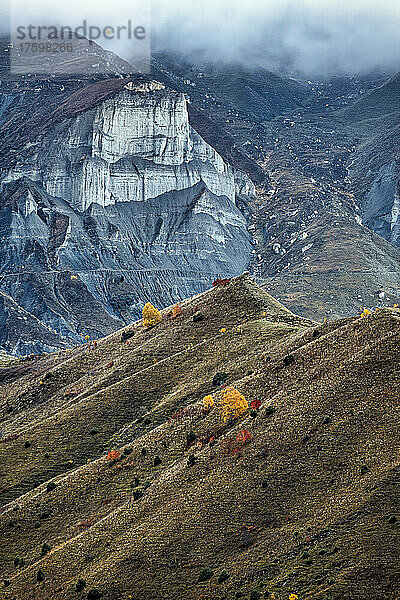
119 204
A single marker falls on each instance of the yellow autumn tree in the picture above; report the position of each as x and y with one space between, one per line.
208 402
151 316
232 404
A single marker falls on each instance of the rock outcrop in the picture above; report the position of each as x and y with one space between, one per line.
114 205
381 211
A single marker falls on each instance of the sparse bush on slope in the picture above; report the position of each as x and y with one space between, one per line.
232 404
151 316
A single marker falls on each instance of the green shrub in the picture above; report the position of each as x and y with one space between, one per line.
127 451
219 379
205 574
94 594
157 461
40 575
19 562
137 494
89 558
45 549
51 486
270 410
191 460
80 585
27 444
198 316
223 577
94 431
288 360
190 437
254 595
37 524
6 582
144 451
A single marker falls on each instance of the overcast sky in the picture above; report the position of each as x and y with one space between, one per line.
314 37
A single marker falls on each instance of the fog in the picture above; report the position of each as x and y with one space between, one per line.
308 37
312 37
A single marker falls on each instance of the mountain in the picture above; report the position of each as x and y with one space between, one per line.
255 92
313 233
121 188
375 118
108 198
303 502
21 332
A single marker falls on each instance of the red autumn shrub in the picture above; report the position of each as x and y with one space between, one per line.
182 413
228 445
9 438
176 311
86 523
221 282
243 437
255 405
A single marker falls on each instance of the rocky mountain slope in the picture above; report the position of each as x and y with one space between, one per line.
122 188
109 197
313 220
297 496
375 169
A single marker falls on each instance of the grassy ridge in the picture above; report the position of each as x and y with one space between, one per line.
305 507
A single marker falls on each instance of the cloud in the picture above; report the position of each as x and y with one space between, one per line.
307 36
314 38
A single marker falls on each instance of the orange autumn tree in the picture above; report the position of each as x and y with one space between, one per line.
151 316
176 311
232 404
113 455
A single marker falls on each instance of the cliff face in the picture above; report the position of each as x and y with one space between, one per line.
382 204
375 168
132 147
116 205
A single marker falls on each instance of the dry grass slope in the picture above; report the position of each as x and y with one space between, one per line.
308 506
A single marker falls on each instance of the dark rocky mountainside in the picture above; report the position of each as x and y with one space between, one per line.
375 170
313 222
122 188
109 197
115 476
